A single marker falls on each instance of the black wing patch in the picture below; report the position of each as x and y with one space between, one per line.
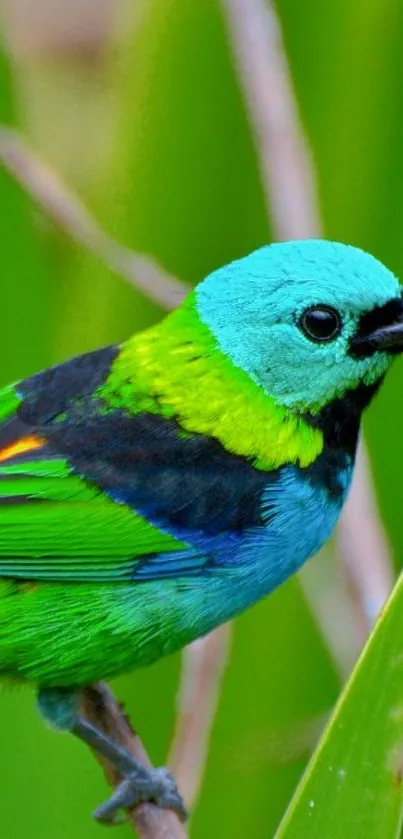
184 481
146 461
51 392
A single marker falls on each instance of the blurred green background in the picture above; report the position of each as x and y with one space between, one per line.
138 106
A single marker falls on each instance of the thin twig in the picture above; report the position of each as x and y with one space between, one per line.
291 195
283 153
66 210
358 545
202 669
102 709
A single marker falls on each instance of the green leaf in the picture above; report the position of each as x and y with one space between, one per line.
353 786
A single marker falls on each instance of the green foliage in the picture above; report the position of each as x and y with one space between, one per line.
169 166
353 786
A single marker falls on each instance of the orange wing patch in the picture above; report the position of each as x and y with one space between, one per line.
26 444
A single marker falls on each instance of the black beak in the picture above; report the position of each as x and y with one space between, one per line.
388 338
380 330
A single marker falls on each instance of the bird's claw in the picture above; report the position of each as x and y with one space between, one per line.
157 786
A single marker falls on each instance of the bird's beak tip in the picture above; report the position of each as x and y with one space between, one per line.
388 338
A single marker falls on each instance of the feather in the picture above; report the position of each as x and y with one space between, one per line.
56 525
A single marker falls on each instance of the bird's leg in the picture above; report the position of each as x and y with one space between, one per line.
61 709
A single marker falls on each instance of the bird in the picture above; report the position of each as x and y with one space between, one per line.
152 490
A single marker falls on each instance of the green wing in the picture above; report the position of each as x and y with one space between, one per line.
55 525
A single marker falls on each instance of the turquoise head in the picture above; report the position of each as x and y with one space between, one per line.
308 321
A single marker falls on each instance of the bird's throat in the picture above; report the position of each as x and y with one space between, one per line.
176 369
340 419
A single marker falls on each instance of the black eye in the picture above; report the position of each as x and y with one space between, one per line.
320 323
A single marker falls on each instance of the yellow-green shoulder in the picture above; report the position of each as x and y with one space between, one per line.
176 369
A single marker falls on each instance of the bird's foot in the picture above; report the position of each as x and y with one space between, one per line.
156 786
140 783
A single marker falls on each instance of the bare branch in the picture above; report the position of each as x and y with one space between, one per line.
202 668
362 543
283 153
102 709
291 196
68 212
54 27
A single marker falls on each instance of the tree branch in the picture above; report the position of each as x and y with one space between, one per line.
102 709
364 548
203 665
68 212
283 153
